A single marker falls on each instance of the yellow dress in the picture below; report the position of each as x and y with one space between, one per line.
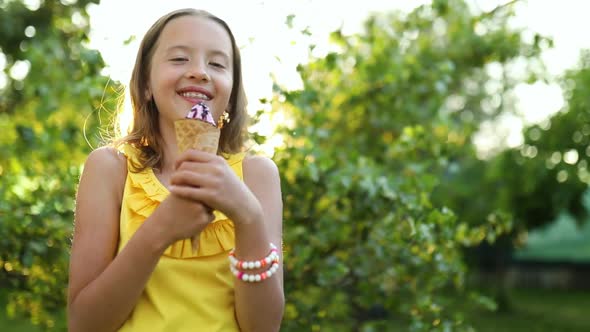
186 291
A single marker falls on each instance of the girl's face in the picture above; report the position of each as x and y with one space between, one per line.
192 63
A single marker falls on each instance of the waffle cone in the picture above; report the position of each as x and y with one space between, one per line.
198 135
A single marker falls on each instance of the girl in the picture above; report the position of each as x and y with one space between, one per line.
140 202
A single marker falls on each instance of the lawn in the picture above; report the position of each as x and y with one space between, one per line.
533 311
539 311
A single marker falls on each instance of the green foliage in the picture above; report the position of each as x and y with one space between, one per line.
541 179
559 152
45 120
375 128
374 142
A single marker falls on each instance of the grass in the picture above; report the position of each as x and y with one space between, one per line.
532 311
539 311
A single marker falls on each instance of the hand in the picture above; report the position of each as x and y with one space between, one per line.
207 178
183 218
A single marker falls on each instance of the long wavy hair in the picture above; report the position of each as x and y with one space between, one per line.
144 133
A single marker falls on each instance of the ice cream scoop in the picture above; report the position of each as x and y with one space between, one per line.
201 112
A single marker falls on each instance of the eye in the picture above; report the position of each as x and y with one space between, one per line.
179 59
216 64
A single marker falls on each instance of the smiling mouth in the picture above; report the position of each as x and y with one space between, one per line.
195 95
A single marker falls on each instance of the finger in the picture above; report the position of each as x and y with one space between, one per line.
197 167
195 156
190 193
192 179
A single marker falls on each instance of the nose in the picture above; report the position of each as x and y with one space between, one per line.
198 71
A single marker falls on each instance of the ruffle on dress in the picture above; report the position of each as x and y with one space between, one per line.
144 193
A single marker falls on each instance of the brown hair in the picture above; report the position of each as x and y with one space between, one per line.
144 133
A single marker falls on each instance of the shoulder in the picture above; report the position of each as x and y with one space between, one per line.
259 167
106 163
106 159
261 175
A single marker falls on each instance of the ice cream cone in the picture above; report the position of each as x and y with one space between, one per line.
198 135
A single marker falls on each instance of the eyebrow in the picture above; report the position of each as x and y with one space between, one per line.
188 49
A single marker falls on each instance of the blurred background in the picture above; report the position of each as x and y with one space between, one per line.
434 155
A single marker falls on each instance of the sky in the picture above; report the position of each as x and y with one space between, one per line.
269 47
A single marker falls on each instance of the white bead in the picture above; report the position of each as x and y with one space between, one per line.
245 277
268 273
252 278
268 260
258 277
257 265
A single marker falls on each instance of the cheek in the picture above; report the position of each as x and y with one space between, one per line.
226 87
227 81
162 86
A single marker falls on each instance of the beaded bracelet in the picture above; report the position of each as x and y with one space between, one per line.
255 277
272 260
273 257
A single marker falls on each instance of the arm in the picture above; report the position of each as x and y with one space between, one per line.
102 291
259 306
104 287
